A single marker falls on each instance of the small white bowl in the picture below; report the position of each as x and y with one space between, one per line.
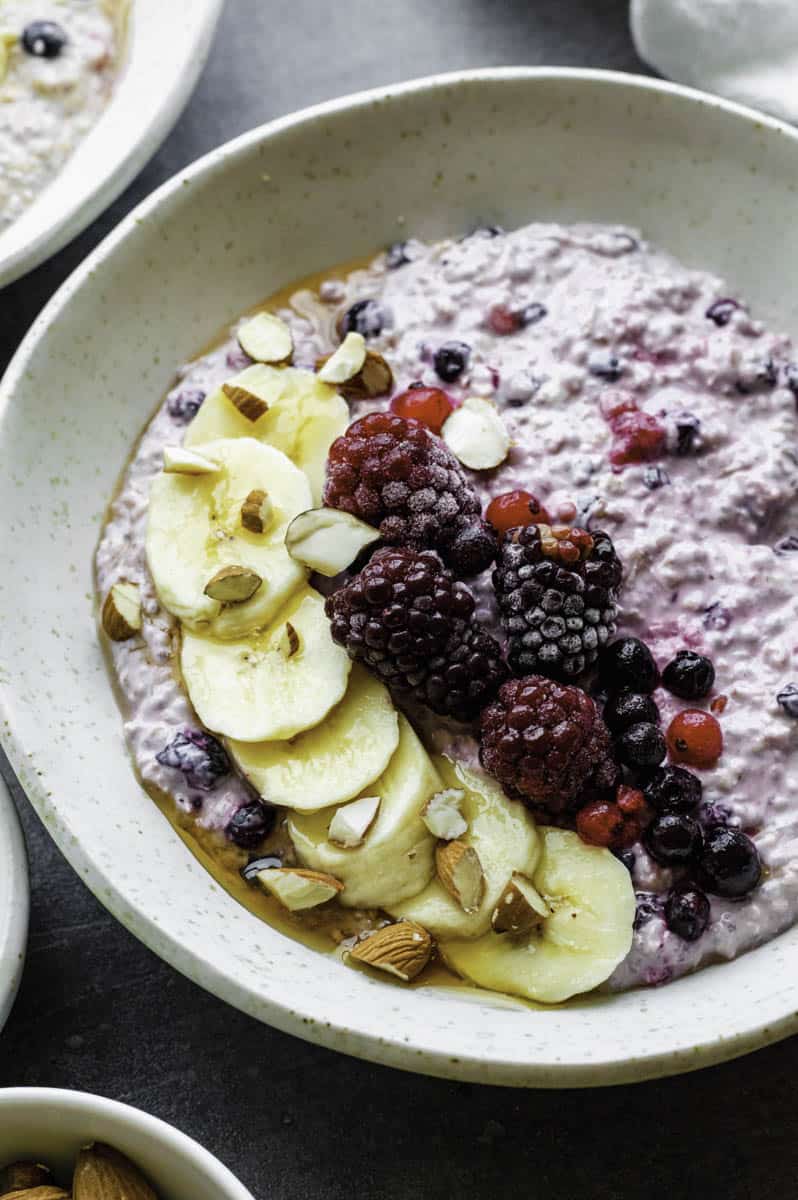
50 1126
711 182
167 48
14 903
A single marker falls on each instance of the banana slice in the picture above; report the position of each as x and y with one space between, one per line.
589 931
505 838
395 859
333 762
273 684
195 530
303 418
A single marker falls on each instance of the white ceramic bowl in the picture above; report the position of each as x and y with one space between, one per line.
167 49
712 182
48 1125
14 903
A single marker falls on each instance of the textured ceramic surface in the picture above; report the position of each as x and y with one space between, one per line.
14 903
167 48
49 1125
712 183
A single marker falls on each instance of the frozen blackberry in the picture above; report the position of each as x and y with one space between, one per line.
413 624
398 476
546 743
200 757
556 589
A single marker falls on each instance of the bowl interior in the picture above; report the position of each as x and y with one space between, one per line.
166 49
50 1126
713 184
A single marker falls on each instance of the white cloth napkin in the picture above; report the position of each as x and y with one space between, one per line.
745 50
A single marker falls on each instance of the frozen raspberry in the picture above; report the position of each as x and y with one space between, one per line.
637 438
408 620
546 743
395 474
556 589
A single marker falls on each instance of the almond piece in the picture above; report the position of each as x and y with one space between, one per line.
520 908
297 889
121 614
178 460
460 872
43 1191
266 338
289 641
442 816
327 540
375 377
102 1172
257 511
402 950
346 362
351 822
248 404
233 585
23 1175
476 435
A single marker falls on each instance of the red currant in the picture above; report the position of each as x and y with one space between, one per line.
694 737
615 824
504 320
428 405
516 508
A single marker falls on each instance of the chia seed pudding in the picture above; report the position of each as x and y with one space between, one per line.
58 63
641 399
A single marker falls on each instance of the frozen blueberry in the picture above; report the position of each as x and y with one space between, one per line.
759 374
791 378
250 824
689 675
688 434
729 864
655 477
687 913
485 231
199 756
530 314
629 708
365 316
641 746
450 360
396 256
673 789
185 404
605 366
717 617
722 311
787 545
264 863
649 906
43 39
627 664
788 699
673 839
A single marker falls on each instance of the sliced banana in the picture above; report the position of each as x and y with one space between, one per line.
333 762
395 859
504 836
303 418
589 932
194 531
266 687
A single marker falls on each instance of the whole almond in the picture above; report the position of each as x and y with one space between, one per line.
20 1175
233 585
460 872
102 1173
402 950
45 1191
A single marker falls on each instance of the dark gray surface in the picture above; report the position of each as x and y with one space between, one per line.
97 1011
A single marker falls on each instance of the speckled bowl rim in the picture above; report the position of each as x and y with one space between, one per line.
47 1104
14 903
79 200
735 1032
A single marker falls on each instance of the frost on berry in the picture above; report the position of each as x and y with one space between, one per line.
199 756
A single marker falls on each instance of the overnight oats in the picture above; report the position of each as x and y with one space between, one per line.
451 602
59 60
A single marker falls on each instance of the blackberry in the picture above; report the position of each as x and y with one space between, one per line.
556 590
395 474
408 620
546 743
200 757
